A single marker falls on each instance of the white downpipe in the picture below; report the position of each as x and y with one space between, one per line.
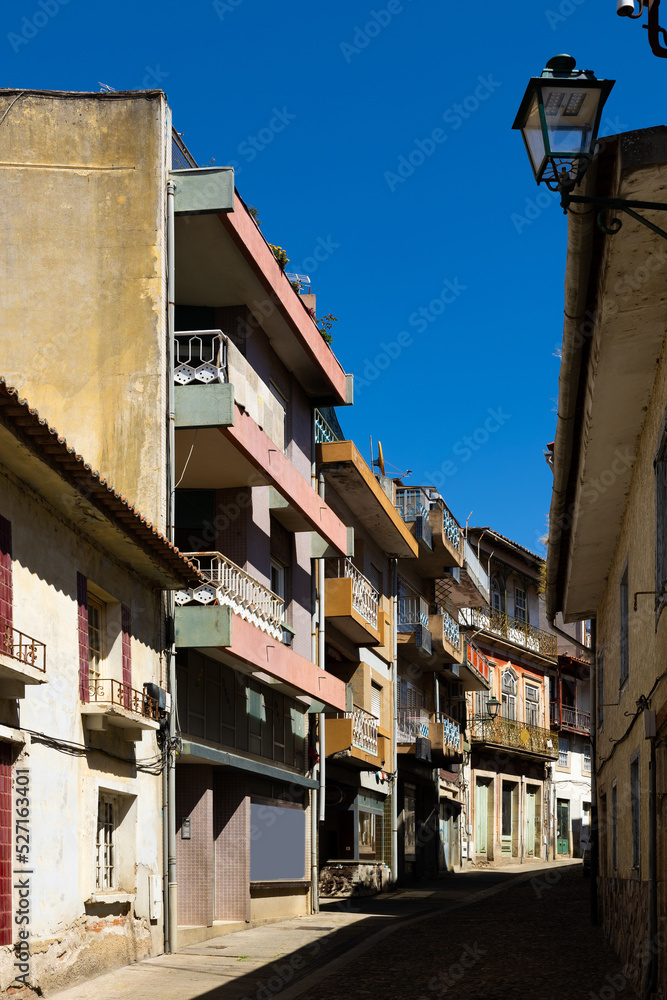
394 748
171 912
320 662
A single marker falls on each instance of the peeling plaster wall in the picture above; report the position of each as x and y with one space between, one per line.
75 934
82 210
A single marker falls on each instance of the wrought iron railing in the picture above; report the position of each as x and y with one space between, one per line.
200 356
364 730
412 724
365 598
516 735
106 691
575 719
519 632
323 433
22 647
412 611
230 585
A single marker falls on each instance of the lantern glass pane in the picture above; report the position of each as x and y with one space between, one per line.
533 136
571 115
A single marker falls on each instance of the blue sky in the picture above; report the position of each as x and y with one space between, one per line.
375 140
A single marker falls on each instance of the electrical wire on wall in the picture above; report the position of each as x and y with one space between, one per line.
152 765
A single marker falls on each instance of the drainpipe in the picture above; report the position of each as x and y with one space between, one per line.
171 910
320 661
314 881
394 748
651 970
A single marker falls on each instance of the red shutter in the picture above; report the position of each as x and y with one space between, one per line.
5 843
126 648
84 659
6 597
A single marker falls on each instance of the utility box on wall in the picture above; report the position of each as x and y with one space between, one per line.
154 897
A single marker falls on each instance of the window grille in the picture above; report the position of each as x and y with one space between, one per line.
105 844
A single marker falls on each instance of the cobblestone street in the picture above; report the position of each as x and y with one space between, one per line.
481 935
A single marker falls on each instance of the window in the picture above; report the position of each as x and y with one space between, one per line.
280 434
278 578
624 629
367 832
563 752
614 827
532 705
635 806
496 596
509 680
587 757
105 843
520 604
376 701
96 629
600 686
410 696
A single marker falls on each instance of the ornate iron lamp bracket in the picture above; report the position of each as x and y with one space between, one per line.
654 29
614 204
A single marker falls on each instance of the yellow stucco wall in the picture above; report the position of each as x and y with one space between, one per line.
82 297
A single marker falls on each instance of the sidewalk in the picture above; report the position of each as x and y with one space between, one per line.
523 930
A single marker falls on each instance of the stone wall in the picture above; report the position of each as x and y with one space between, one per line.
624 911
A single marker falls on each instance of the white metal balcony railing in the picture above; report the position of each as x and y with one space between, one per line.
475 570
451 628
450 525
323 433
412 724
571 717
519 632
365 598
412 611
230 585
364 730
452 731
413 504
200 356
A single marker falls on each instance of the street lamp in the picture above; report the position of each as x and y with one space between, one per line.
493 707
559 118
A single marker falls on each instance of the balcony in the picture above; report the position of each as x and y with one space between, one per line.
470 582
237 620
22 661
230 433
513 735
413 635
231 586
416 727
413 733
512 630
570 718
434 525
477 671
323 433
352 604
353 737
114 703
445 637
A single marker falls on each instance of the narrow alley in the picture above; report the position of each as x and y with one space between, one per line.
486 934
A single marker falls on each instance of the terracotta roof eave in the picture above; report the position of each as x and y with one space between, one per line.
70 465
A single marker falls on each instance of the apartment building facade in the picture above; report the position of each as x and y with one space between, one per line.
199 369
512 746
83 712
607 539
